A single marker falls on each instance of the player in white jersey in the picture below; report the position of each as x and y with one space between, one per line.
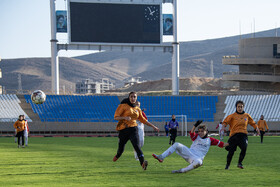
141 132
26 131
197 152
221 130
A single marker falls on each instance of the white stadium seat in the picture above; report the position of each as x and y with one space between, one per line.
10 108
256 105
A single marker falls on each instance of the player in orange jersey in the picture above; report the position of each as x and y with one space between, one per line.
238 122
262 126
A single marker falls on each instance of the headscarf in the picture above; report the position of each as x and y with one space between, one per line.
127 101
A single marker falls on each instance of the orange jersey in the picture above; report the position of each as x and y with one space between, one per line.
238 123
19 125
124 110
262 125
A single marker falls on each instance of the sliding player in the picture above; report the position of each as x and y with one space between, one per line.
197 152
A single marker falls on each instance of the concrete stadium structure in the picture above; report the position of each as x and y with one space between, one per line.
223 105
259 64
0 78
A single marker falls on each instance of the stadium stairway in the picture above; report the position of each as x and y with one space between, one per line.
27 108
220 106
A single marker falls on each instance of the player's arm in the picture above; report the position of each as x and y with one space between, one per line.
193 129
253 124
198 122
144 115
153 126
193 135
218 143
266 126
225 122
16 125
142 119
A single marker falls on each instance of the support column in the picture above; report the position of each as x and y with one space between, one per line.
54 54
175 56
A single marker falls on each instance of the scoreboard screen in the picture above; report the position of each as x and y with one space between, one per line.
115 23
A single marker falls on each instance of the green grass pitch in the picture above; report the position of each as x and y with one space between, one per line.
87 161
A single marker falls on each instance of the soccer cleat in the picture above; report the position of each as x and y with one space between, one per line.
157 157
115 158
227 167
145 165
240 166
177 171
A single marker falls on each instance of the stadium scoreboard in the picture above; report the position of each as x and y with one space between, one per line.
95 22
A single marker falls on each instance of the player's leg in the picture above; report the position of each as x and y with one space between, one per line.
26 139
171 136
141 137
16 136
180 149
222 135
140 140
243 146
135 142
233 141
123 138
193 165
22 139
175 135
18 139
262 133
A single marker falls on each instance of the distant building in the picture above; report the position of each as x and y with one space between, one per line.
259 65
88 86
132 81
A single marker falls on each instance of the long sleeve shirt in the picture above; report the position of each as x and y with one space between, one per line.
19 125
262 125
173 124
238 123
124 110
200 146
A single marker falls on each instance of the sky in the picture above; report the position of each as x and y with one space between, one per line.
25 24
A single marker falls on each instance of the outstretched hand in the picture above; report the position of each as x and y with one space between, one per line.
226 144
198 122
156 129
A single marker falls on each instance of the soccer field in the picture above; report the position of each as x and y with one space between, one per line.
88 161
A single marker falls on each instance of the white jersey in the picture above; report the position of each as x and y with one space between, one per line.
141 132
220 127
200 146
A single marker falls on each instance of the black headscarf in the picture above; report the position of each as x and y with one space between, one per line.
127 101
239 112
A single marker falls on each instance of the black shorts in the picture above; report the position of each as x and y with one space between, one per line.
238 139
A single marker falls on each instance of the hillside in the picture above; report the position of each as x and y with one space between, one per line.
195 58
187 84
36 73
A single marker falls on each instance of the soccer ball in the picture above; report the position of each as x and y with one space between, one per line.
38 97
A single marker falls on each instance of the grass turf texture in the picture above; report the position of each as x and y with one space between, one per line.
88 162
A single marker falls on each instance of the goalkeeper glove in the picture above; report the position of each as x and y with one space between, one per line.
198 122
